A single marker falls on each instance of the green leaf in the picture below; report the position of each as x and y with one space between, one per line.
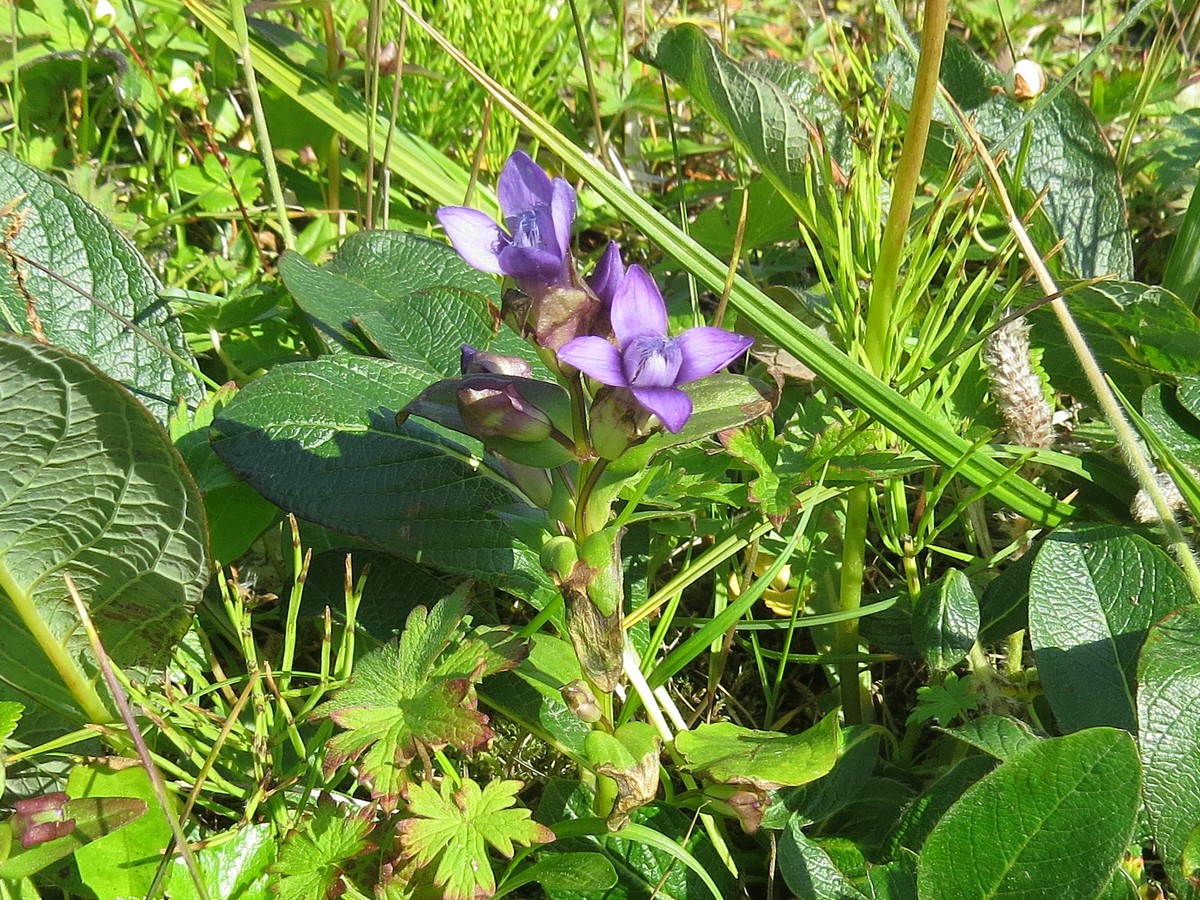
413 298
453 829
312 860
584 872
1169 736
54 234
1136 331
232 867
320 439
1173 419
91 487
124 863
732 754
10 715
1054 820
820 799
946 620
1067 156
927 809
998 736
1094 593
772 108
414 695
946 701
808 869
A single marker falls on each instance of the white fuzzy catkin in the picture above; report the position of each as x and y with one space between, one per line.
1018 389
1142 509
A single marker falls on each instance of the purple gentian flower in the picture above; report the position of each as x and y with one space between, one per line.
648 361
539 214
608 274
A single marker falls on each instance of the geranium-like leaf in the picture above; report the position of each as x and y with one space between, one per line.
312 861
454 827
411 696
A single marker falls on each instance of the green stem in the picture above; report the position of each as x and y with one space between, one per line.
854 546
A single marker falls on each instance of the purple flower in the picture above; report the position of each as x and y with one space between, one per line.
647 360
607 275
539 214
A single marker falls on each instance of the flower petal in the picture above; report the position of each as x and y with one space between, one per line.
475 236
608 274
637 308
595 357
522 185
671 405
531 264
707 349
562 208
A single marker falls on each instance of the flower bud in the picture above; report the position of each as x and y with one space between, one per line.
41 819
581 701
104 14
535 482
617 422
601 553
1026 80
558 557
558 314
475 362
501 411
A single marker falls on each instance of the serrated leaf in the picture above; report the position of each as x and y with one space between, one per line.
453 828
1169 736
312 859
413 298
1066 155
1094 593
998 736
774 109
1054 820
946 701
90 486
732 754
405 698
320 439
946 620
53 232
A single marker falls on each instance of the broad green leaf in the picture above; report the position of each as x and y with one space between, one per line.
1169 736
10 715
998 736
93 818
1181 274
414 695
661 854
1054 820
946 620
1094 593
731 754
124 863
313 858
531 695
584 872
884 404
773 108
63 264
808 869
413 298
232 868
826 795
320 439
1067 156
1136 331
454 828
90 487
1173 419
920 816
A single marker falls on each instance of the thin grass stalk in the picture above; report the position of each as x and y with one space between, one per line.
241 30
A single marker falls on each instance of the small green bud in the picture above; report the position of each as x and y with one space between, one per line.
601 552
559 555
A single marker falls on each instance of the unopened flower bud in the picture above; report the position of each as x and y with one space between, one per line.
581 701
1026 80
476 361
306 155
535 482
104 14
41 819
556 315
501 411
389 58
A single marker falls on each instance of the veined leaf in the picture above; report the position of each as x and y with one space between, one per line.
312 859
90 487
71 278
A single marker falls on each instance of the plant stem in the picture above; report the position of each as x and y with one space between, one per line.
879 328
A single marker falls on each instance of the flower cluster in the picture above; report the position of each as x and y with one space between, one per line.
615 329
